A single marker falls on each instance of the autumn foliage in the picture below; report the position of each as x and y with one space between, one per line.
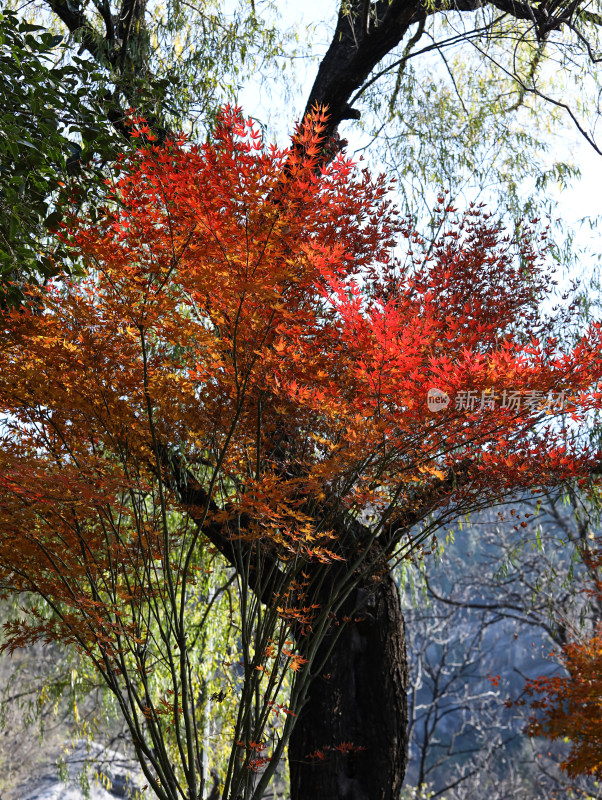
569 706
245 366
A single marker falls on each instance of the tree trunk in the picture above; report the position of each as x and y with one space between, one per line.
359 697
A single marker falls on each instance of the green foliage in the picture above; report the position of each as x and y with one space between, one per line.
48 127
469 117
207 51
177 63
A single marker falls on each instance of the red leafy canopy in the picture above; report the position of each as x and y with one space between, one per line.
242 308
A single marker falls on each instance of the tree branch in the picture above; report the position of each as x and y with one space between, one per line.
191 494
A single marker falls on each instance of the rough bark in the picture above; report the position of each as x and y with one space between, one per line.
359 696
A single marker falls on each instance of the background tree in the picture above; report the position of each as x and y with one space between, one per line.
567 707
482 620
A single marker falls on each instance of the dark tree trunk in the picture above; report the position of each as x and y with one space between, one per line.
359 697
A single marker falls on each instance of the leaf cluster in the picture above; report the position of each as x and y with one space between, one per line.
49 127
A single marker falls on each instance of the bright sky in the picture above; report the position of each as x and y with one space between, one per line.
584 197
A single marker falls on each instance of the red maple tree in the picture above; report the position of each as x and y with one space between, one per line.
247 365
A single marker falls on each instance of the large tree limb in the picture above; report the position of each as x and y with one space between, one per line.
367 32
358 45
75 19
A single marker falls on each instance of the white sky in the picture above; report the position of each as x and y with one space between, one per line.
584 197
